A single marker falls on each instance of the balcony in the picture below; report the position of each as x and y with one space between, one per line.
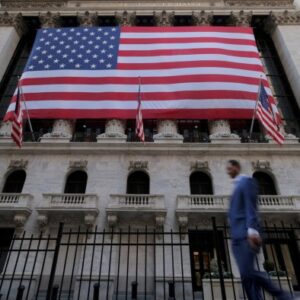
136 207
16 207
63 206
190 206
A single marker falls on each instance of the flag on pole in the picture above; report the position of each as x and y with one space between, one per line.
139 130
17 121
267 116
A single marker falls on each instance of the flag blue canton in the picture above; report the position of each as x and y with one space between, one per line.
263 98
89 48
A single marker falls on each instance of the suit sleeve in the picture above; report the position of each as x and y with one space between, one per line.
250 192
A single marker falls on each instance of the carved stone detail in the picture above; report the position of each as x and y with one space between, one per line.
88 19
114 129
18 164
220 130
78 164
242 18
50 20
21 4
20 220
199 165
126 18
183 221
202 18
112 220
261 165
42 220
62 130
164 18
5 129
89 220
167 130
160 221
282 18
138 165
256 3
15 20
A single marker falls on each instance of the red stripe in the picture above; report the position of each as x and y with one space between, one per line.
147 114
146 80
119 96
188 52
230 29
189 64
182 40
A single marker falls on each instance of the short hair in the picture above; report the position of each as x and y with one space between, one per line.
234 163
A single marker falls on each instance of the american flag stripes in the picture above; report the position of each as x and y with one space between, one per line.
17 121
267 116
188 73
139 129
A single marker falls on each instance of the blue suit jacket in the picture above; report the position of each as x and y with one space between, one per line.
243 208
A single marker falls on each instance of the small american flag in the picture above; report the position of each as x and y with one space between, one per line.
17 121
188 73
139 130
267 116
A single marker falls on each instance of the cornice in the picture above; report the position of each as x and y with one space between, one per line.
185 149
260 3
24 4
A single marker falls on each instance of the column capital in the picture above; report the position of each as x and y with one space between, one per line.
125 18
13 20
87 19
241 18
164 18
220 132
167 132
281 18
202 18
50 20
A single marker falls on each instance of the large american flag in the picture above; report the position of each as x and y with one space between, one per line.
188 73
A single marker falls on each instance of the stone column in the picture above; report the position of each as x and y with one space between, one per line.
202 18
12 27
87 19
167 129
62 130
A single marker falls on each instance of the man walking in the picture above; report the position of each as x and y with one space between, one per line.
245 235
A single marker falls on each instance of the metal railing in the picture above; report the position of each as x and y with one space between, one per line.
129 264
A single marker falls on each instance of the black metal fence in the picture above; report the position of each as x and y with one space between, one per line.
138 264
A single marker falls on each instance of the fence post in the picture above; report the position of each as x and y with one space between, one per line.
96 291
134 290
171 290
220 268
20 293
54 262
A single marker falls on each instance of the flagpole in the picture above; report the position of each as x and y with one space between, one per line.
255 108
28 117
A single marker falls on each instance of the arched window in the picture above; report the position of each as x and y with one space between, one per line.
138 183
76 183
200 184
265 183
14 182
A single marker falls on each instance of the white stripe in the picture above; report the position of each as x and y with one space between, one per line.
163 46
147 88
197 57
143 73
118 105
188 34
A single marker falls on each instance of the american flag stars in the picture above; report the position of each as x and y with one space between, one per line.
81 49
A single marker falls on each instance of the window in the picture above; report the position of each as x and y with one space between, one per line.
76 183
6 238
14 182
138 183
265 183
200 184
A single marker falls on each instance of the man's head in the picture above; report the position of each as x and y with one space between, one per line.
233 168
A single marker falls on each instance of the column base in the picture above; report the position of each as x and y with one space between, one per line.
225 139
48 138
164 138
105 138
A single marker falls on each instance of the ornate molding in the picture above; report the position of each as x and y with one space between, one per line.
199 165
220 130
114 128
87 19
241 18
15 20
202 18
126 18
164 18
167 130
62 129
259 3
50 20
138 165
18 164
261 165
283 18
21 4
78 164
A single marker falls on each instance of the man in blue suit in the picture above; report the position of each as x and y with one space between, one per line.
245 235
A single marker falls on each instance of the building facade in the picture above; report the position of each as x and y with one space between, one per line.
143 221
